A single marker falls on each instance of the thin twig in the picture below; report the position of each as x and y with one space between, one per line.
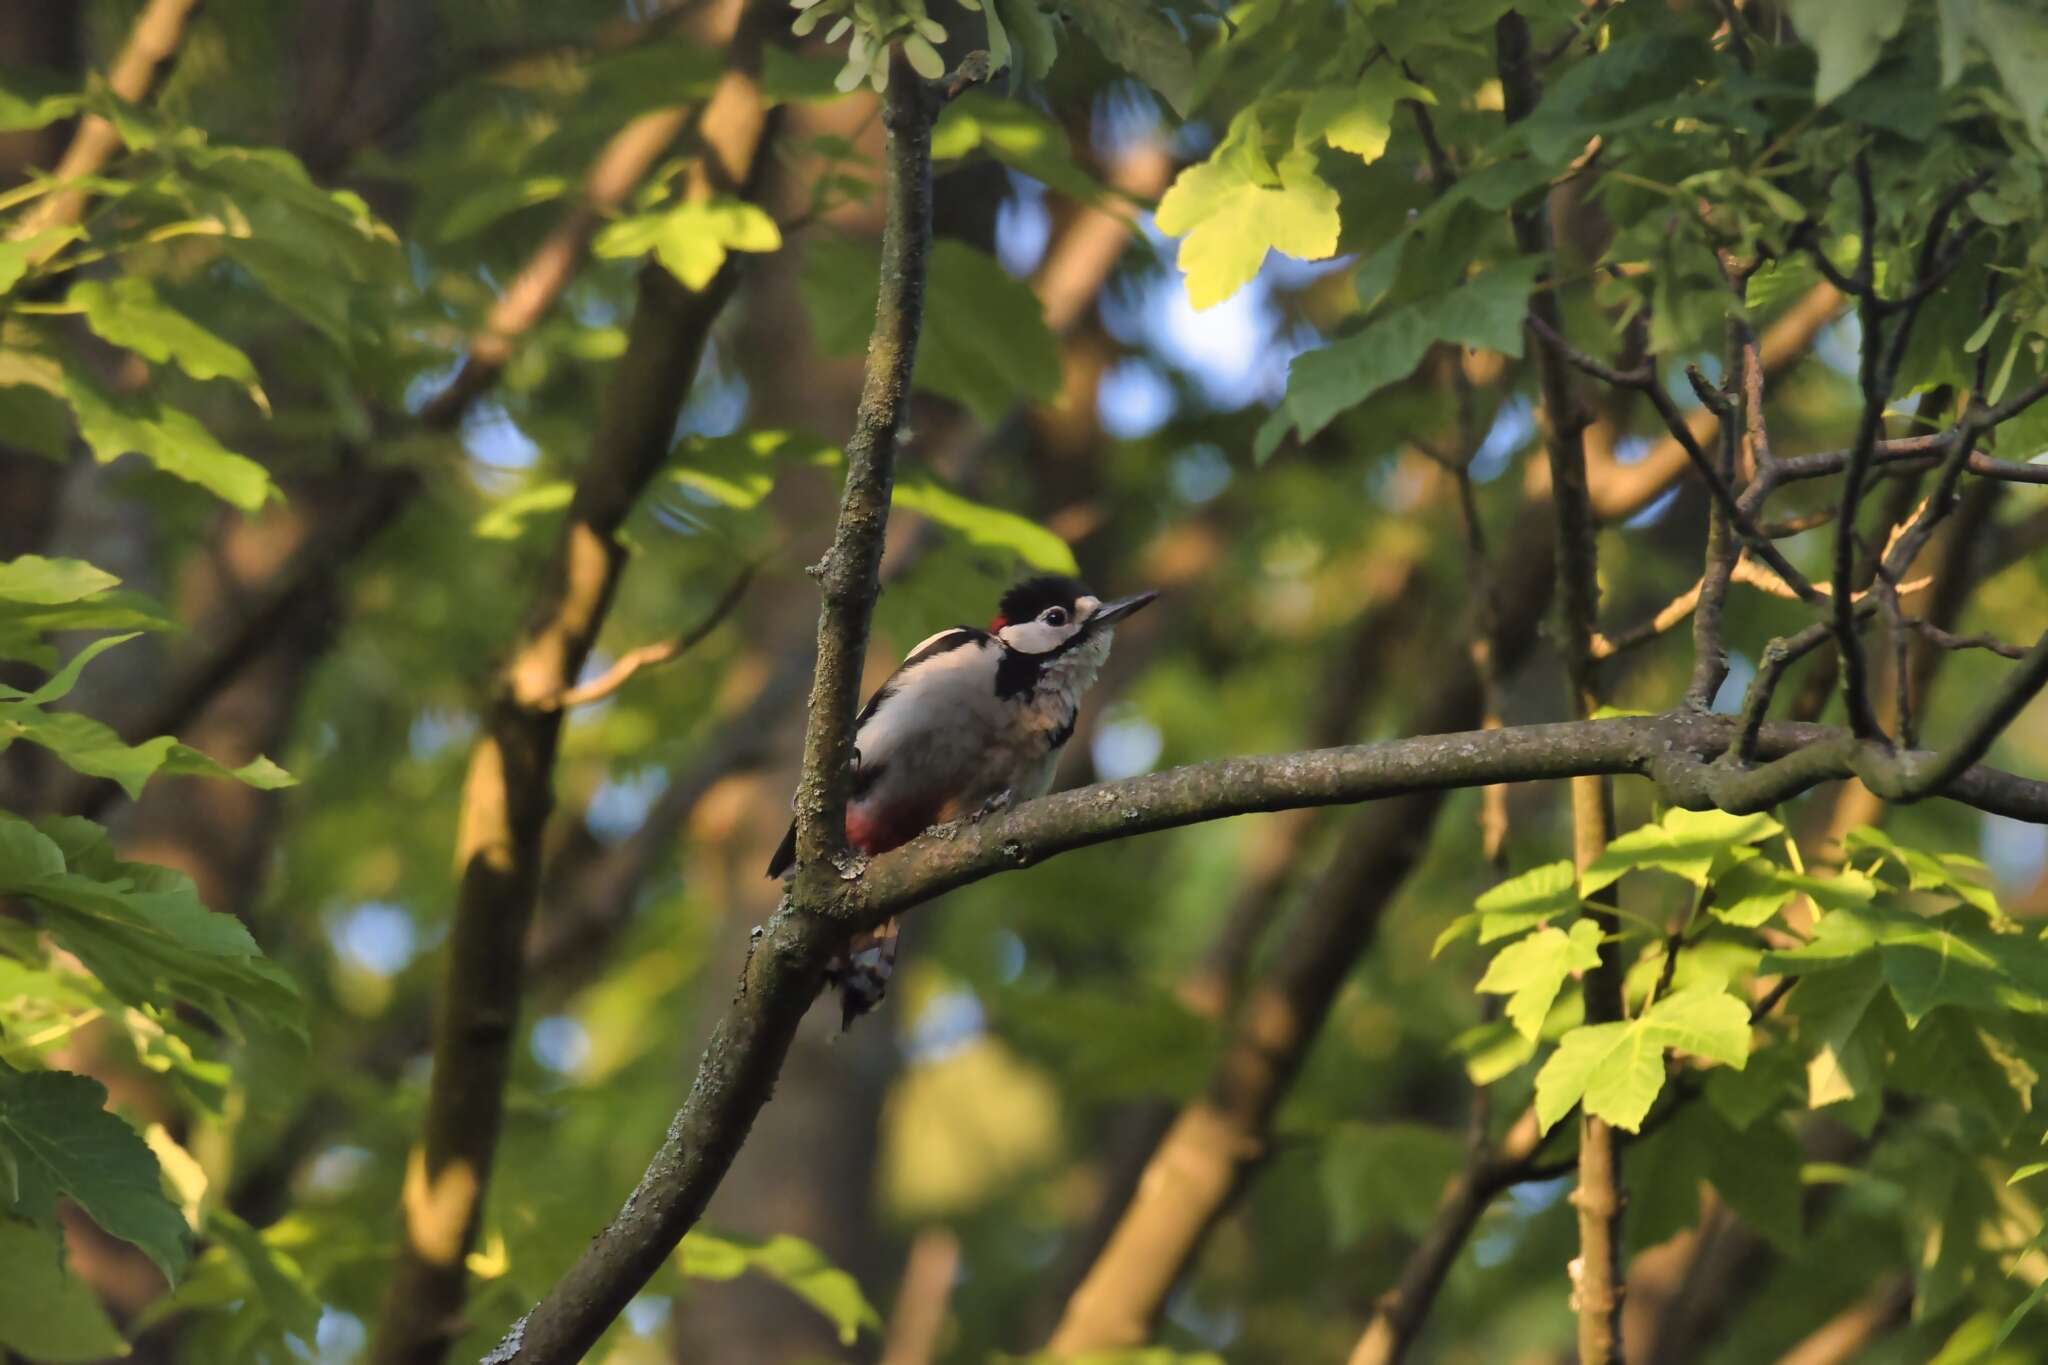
1947 640
649 656
1644 380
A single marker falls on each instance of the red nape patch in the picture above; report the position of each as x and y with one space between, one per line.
996 624
877 831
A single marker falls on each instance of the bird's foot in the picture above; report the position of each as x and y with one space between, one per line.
1000 801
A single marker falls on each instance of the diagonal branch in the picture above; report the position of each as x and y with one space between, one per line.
661 652
152 40
508 789
782 974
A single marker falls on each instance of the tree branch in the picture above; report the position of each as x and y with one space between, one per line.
152 39
1597 1293
508 790
850 574
346 531
661 652
1489 1170
782 974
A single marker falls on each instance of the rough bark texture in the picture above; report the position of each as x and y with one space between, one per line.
850 574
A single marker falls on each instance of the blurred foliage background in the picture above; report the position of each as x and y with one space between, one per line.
309 369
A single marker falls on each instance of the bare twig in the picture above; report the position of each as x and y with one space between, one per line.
849 574
1947 640
1644 380
649 656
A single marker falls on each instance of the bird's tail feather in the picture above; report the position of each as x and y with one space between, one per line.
862 973
785 853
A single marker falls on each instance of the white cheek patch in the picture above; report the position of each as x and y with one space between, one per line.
1032 637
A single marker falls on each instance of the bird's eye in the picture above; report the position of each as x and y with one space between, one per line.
1054 616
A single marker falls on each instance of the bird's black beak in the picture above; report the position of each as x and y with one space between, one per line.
1109 613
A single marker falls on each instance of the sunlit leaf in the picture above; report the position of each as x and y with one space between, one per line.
1618 1068
1532 970
1230 210
692 239
791 1262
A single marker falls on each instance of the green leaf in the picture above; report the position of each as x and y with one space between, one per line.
1229 213
1754 889
1683 843
128 312
1376 1174
692 239
985 342
276 1276
51 582
1844 1059
65 1142
64 679
2014 37
1929 961
35 99
1532 970
1141 40
1462 927
1949 873
1951 1057
1772 1078
1359 117
1015 134
509 516
1484 313
92 748
791 1262
495 200
1535 897
1617 1069
1756 1171
1847 38
169 438
45 1313
19 253
985 526
1493 1050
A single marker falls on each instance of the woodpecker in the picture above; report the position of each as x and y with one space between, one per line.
971 721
